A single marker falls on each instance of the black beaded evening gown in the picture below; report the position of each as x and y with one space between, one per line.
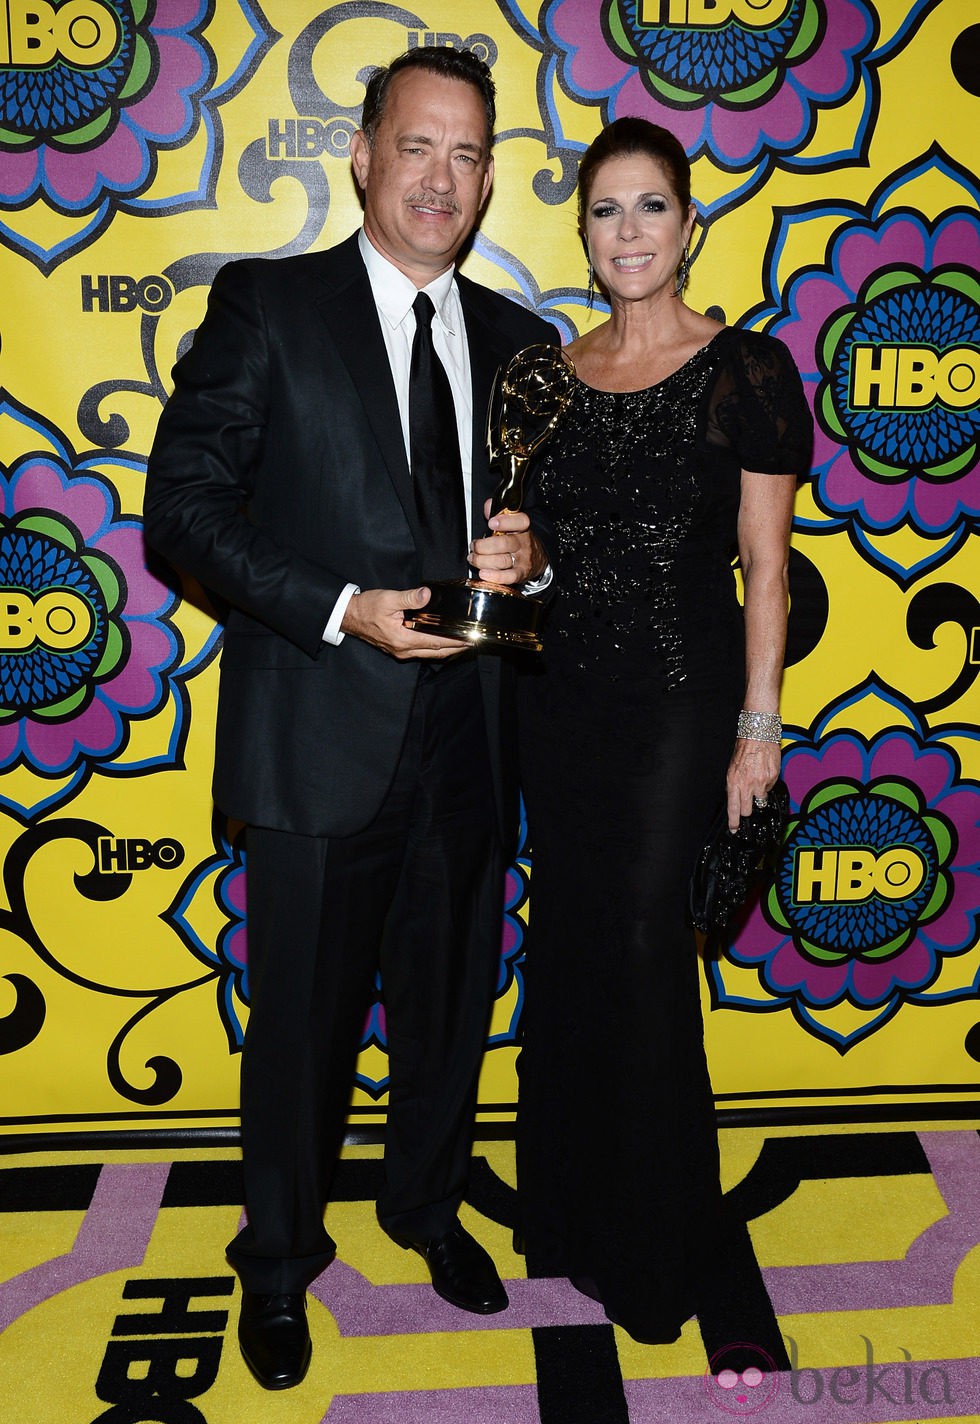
628 724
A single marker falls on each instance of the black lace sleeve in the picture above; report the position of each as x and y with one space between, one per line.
758 409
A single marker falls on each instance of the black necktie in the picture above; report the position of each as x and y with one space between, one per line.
436 470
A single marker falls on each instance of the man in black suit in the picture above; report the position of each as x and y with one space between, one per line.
372 762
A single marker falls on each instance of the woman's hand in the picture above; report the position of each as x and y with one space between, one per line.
753 769
512 553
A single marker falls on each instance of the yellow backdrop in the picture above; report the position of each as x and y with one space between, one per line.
141 145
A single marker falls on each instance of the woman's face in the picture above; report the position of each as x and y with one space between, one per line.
635 227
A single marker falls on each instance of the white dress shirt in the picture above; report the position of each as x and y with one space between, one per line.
394 295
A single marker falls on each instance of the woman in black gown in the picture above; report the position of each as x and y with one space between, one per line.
681 448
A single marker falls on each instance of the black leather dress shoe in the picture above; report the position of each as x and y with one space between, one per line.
461 1271
275 1338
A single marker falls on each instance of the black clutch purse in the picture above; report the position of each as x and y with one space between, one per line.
730 861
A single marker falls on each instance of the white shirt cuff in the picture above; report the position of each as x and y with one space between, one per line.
539 584
332 633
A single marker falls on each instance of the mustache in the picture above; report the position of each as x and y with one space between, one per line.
446 205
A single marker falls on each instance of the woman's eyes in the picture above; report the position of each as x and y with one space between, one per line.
609 210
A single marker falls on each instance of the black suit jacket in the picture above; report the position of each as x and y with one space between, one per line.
278 475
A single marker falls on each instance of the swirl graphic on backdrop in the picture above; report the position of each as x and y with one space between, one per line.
91 94
221 943
129 989
886 331
744 83
553 303
933 607
874 901
86 639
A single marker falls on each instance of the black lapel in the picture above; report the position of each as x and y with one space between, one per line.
488 352
348 310
351 317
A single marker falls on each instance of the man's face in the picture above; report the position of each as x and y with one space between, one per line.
427 174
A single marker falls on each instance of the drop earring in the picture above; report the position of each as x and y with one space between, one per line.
683 273
591 286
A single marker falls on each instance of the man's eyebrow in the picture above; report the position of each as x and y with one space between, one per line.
468 144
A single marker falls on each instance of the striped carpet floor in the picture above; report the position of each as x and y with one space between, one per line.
117 1306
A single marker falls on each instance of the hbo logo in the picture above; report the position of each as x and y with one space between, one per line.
852 874
117 856
34 33
124 294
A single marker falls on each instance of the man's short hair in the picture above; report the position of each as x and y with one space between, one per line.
461 64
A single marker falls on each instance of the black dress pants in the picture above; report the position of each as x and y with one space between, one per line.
418 894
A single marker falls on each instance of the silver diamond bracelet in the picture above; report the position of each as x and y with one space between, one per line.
760 726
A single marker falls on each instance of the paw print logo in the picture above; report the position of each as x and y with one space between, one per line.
741 1379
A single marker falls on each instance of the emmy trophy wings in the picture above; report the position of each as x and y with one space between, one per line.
528 398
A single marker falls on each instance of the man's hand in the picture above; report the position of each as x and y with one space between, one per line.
378 616
512 554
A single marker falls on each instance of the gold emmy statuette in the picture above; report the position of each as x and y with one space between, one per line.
527 401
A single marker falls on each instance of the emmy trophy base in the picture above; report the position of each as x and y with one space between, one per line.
485 614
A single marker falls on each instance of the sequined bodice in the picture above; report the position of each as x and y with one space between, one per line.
644 512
